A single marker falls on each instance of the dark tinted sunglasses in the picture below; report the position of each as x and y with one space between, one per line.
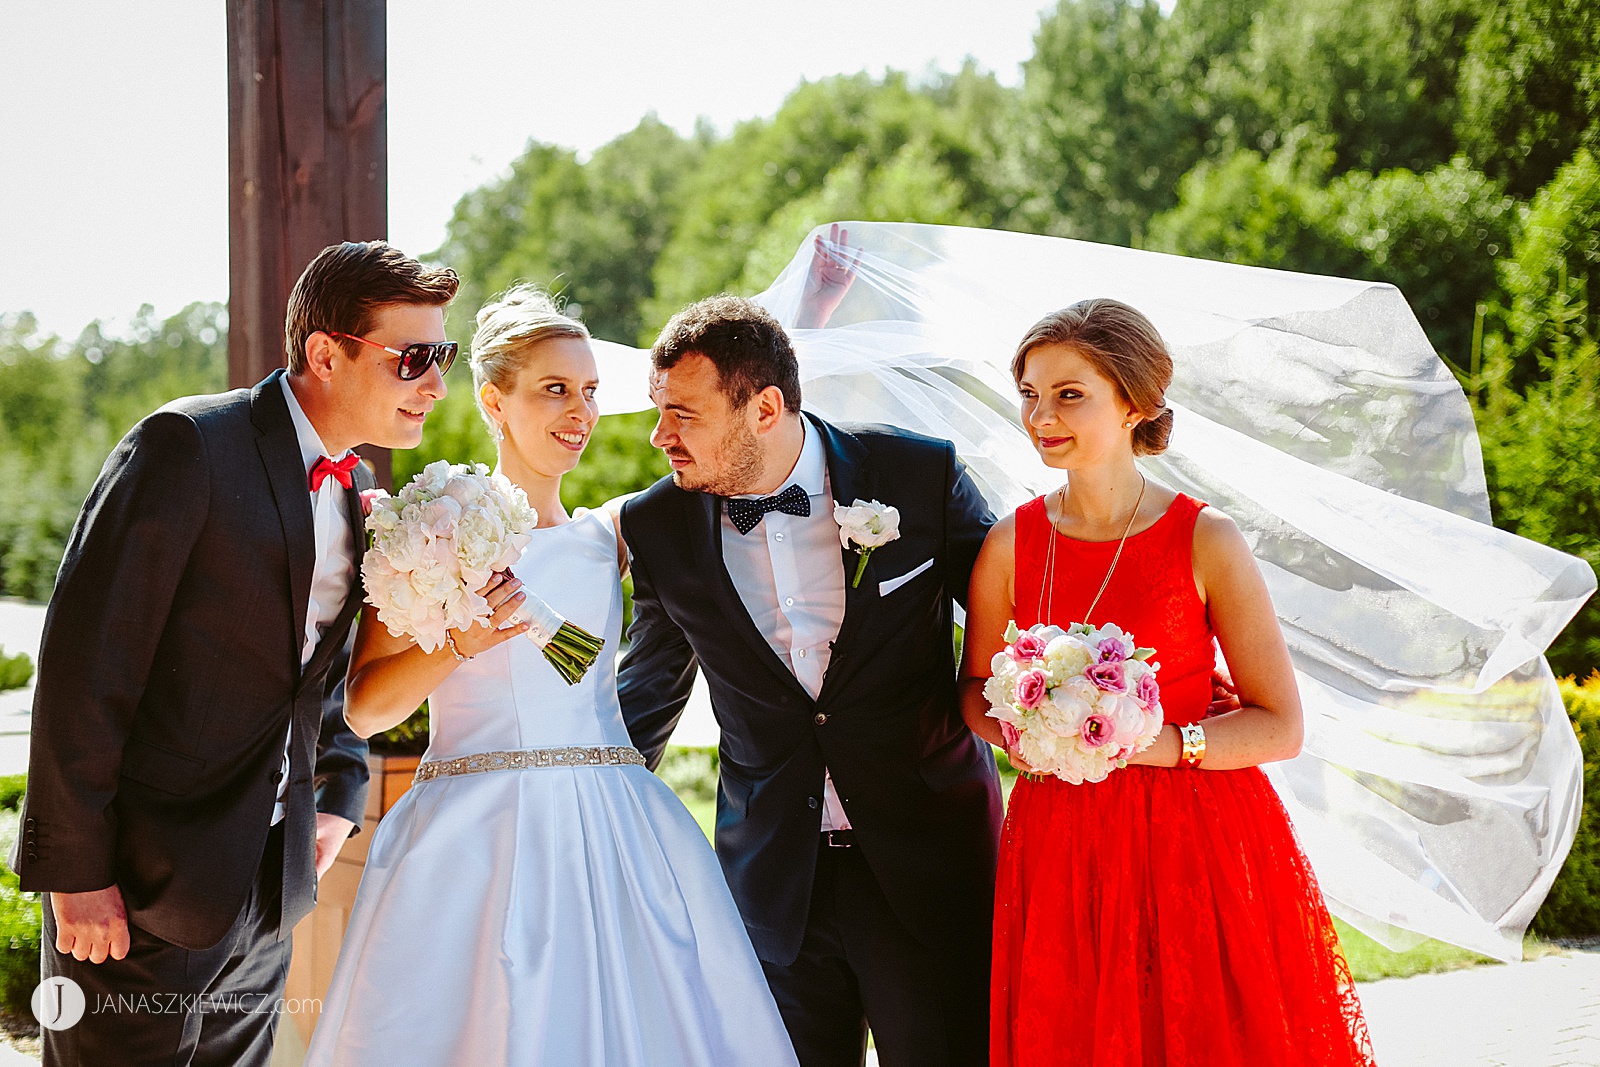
414 359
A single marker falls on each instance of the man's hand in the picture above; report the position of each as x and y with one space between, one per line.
332 832
91 926
1224 697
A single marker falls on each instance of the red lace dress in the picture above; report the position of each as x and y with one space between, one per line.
1163 916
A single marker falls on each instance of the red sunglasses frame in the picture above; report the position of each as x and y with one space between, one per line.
427 352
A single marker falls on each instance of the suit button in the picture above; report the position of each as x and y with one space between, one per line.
29 824
32 855
811 802
819 718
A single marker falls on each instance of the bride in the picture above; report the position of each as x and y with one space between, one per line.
567 914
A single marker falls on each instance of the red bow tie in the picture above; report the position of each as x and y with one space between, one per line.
340 469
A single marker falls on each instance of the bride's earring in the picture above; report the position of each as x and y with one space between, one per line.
499 432
1127 425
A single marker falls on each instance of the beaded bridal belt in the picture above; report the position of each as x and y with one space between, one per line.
527 758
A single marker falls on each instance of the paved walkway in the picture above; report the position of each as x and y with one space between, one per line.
1545 1013
20 623
1540 1014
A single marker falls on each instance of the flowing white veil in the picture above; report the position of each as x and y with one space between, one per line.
1440 783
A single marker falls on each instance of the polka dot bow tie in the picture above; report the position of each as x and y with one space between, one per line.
746 514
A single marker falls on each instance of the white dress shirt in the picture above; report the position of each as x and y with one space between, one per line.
335 556
789 572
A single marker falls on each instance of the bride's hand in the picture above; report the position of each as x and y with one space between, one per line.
832 272
504 594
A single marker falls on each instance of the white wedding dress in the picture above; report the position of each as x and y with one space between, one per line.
569 916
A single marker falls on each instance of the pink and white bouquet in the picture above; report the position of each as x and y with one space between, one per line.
1075 703
438 541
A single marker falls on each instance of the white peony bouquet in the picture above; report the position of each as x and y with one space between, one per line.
438 541
1075 703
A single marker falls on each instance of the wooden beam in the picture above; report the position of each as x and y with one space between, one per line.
307 158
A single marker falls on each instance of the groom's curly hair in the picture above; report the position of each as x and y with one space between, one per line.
741 339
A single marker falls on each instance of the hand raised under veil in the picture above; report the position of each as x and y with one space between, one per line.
1439 786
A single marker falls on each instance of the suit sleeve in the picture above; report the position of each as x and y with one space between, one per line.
106 619
967 522
341 773
657 671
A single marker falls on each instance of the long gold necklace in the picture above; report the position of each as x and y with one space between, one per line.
1047 587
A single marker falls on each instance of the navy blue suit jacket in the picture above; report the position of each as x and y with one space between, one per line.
920 789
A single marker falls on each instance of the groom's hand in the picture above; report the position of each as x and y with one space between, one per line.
1224 694
91 926
332 832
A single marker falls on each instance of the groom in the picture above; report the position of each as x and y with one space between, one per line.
191 774
857 817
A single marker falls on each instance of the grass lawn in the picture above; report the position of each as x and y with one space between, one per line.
1370 960
704 811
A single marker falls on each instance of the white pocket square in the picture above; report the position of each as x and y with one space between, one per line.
885 588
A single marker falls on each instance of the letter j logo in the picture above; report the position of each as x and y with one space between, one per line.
58 1003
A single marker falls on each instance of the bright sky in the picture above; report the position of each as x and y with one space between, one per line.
114 123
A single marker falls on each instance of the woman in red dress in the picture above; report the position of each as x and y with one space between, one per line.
1166 915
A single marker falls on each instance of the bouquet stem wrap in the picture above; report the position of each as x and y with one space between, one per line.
570 649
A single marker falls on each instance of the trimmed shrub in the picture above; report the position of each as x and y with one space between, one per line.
20 922
15 671
1573 907
690 772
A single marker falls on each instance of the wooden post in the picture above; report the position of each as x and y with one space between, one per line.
307 158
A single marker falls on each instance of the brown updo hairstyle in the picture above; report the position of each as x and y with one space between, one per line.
1123 346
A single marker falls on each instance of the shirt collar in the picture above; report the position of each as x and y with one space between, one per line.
811 469
311 448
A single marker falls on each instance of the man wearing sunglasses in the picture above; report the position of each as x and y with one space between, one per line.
191 775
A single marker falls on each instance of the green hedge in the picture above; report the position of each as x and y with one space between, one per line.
20 922
15 671
1573 907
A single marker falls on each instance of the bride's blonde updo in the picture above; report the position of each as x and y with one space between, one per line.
508 327
1123 346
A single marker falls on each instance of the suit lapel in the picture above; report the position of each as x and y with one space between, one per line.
280 455
709 516
850 477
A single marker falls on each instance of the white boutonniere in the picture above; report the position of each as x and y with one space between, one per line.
865 525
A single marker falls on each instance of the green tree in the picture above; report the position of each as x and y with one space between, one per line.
591 231
854 125
1530 89
64 405
1541 448
1435 236
1554 271
1540 417
1109 120
1261 212
1377 80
